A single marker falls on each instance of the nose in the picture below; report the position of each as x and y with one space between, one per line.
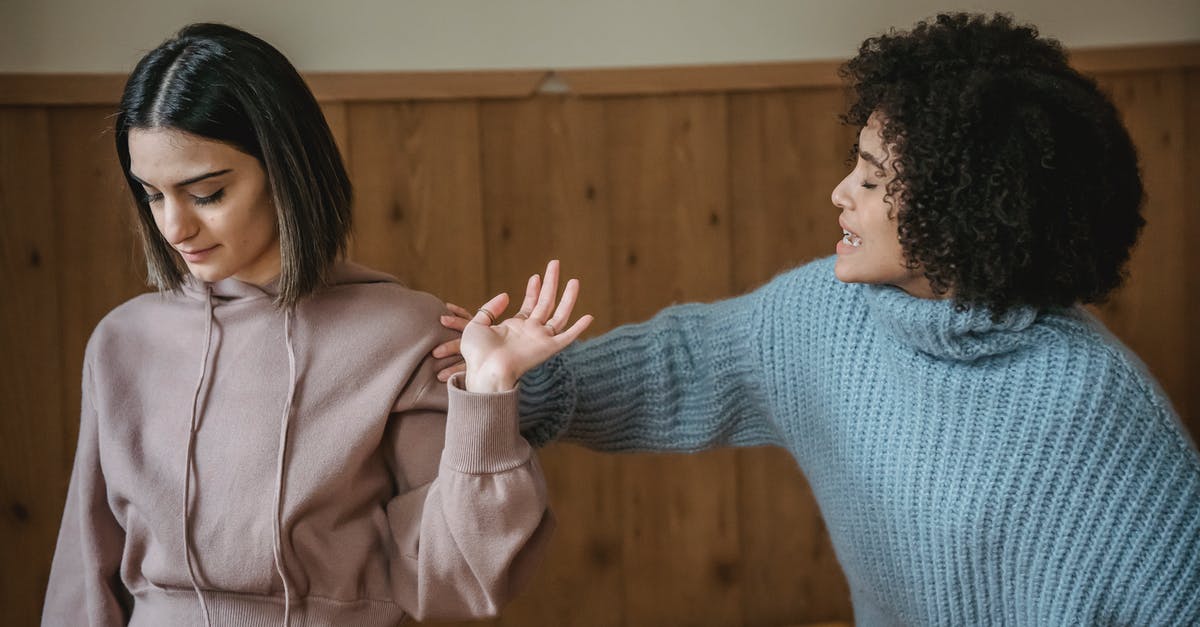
176 221
839 197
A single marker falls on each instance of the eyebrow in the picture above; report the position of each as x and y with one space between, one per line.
871 159
185 183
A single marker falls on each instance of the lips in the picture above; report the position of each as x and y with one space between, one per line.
197 254
850 238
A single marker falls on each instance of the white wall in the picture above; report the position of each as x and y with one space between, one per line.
364 35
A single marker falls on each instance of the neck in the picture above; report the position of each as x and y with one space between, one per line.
919 287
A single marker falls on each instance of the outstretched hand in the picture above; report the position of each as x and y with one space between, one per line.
498 353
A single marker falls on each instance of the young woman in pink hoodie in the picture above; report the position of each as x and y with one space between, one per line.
265 439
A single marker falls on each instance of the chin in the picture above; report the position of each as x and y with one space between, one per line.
209 274
845 273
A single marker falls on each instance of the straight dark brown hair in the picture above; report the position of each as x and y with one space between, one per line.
221 83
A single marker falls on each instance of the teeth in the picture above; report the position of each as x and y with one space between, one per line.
851 238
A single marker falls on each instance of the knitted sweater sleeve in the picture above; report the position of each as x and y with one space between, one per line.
85 585
689 379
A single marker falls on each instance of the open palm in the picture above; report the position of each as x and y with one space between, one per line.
497 354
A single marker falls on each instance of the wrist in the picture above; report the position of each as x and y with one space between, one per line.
488 380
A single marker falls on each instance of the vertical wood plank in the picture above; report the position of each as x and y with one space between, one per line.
33 453
1190 404
543 173
667 179
338 119
787 152
1149 312
543 197
100 261
418 213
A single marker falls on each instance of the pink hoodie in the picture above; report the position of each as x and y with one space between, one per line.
241 464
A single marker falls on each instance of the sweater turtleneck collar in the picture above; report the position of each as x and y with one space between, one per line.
935 327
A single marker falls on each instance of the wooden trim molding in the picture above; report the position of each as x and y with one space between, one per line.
85 89
60 89
1137 58
366 86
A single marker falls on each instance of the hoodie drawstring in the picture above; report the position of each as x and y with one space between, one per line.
277 530
279 472
190 457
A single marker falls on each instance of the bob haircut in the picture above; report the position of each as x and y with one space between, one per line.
220 83
1016 183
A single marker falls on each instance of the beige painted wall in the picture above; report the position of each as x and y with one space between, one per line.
365 35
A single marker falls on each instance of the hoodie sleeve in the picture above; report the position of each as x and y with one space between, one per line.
85 586
471 526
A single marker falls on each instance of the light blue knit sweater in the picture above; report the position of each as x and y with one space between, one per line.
1020 472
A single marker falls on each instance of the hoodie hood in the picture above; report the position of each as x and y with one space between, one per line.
231 289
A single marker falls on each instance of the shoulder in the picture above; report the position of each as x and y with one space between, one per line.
1078 349
384 309
132 319
1079 343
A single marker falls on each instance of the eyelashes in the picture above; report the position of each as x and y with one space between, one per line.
199 200
210 199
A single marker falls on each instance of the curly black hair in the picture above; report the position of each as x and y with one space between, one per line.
1016 182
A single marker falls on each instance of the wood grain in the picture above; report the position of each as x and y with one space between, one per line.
787 152
544 197
100 263
651 200
1151 305
418 213
34 456
667 159
1189 403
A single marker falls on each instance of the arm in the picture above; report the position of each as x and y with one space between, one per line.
483 521
691 378
469 537
85 586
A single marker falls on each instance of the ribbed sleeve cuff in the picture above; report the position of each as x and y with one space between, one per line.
482 436
547 401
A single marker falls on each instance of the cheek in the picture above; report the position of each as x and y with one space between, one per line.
264 226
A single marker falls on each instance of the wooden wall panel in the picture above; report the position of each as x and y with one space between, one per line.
543 168
544 197
34 454
100 263
1189 403
418 212
1151 306
651 201
338 118
667 160
787 152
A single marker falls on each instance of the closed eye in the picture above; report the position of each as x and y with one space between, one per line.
210 199
199 200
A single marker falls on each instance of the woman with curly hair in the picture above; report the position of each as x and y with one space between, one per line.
983 451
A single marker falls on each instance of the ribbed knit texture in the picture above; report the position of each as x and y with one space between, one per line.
1023 471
